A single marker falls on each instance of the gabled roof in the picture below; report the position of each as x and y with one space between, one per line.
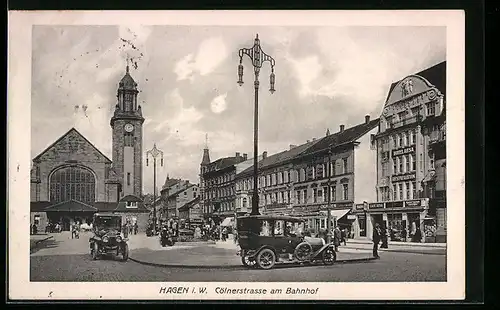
279 157
180 190
63 136
190 204
349 135
436 75
170 182
131 198
39 206
224 162
71 206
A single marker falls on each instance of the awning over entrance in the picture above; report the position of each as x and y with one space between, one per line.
228 221
71 206
338 214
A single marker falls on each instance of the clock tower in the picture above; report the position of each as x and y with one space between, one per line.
126 125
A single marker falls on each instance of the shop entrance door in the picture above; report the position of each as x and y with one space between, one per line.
377 219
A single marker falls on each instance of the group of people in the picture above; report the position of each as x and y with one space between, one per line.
129 228
381 235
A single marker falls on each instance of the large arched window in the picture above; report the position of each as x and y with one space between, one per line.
72 182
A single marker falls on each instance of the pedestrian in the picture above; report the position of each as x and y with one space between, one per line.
403 234
337 236
377 234
136 228
343 236
418 235
384 244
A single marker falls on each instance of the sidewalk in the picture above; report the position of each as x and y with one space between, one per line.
403 247
38 238
214 256
399 243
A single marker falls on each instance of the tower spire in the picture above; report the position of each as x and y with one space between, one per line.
206 153
127 65
206 141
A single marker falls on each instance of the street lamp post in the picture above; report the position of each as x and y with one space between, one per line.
155 153
258 57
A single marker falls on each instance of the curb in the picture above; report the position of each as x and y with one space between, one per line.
240 267
399 251
40 241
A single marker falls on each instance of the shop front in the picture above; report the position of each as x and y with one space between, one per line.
405 221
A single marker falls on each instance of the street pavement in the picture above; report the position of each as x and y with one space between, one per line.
66 259
404 247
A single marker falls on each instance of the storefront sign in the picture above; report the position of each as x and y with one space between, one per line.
394 204
406 150
361 216
413 203
359 206
404 177
351 216
375 205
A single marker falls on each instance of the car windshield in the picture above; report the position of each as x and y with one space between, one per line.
107 222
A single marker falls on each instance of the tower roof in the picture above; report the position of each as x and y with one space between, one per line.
206 157
127 82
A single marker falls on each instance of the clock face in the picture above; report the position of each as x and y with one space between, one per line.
129 127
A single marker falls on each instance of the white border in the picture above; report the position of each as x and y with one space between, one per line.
19 120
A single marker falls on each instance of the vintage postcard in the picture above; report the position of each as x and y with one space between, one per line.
209 155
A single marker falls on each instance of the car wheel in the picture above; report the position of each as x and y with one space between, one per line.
303 251
266 259
329 256
125 253
95 252
246 261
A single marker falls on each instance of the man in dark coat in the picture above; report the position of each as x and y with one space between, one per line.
337 235
377 235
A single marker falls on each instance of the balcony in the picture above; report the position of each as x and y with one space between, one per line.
406 121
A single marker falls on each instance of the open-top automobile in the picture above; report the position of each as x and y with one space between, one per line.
107 238
265 240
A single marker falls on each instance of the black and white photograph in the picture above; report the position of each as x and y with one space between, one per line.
227 158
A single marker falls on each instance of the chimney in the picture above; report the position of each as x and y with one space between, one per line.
292 146
314 139
237 154
245 156
342 128
367 119
264 155
308 141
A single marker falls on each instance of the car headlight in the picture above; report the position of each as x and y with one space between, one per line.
105 239
118 238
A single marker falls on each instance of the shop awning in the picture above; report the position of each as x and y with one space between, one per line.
338 214
228 221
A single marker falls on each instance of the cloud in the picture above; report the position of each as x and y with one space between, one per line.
324 77
211 53
218 104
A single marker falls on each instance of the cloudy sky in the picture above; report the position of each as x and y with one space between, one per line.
187 80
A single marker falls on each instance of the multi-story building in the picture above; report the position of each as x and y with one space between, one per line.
218 187
411 159
295 182
191 213
174 195
342 164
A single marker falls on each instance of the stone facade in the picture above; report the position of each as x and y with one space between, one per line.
74 188
72 149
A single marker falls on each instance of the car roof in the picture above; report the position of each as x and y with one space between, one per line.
271 217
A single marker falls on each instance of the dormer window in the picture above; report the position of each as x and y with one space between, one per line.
131 204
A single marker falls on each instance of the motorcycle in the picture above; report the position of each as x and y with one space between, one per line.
166 237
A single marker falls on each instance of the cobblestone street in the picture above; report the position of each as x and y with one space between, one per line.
66 259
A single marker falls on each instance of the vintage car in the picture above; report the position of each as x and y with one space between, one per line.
265 240
107 238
